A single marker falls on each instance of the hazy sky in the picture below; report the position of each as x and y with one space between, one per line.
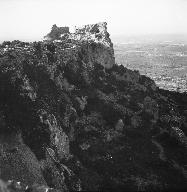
32 19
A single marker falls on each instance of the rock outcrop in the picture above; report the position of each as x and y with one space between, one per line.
56 33
72 120
90 40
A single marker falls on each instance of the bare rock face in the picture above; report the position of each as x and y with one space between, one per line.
92 41
58 139
96 32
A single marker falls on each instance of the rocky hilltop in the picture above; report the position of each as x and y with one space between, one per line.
91 40
73 120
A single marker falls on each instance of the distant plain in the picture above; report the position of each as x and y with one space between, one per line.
161 57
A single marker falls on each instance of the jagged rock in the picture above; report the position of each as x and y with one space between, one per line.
27 89
96 32
58 138
56 33
91 41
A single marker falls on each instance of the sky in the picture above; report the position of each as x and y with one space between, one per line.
30 20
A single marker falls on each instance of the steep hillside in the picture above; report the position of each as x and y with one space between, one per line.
70 119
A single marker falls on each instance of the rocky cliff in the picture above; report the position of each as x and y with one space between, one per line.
70 119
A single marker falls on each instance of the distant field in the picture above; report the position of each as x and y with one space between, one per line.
166 63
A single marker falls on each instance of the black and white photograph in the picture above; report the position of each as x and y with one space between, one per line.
93 95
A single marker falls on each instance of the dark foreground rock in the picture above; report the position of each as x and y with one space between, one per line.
72 120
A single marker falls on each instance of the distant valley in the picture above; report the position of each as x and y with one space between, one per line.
165 62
